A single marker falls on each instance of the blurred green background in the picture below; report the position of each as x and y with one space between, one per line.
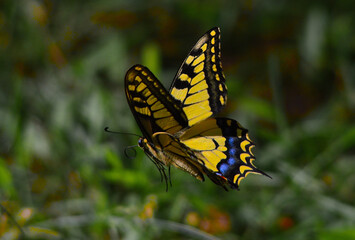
290 71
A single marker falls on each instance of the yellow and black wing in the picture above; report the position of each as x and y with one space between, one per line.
179 128
154 109
159 117
224 148
199 85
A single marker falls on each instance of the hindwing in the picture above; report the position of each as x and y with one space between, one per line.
223 146
199 84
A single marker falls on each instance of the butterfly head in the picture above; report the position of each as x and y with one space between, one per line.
144 143
147 147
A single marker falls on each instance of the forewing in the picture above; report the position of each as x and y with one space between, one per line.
199 84
154 109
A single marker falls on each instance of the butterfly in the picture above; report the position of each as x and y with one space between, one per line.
179 126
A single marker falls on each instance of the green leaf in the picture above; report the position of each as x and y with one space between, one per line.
343 234
259 107
113 160
151 58
5 178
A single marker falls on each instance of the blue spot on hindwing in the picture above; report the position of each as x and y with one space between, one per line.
231 141
231 161
223 168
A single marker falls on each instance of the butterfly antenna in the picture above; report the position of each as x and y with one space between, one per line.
109 131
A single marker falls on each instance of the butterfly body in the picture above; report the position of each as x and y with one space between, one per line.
171 151
179 127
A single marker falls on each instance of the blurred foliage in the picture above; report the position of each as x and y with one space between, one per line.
290 70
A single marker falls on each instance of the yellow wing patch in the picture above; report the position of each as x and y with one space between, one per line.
200 81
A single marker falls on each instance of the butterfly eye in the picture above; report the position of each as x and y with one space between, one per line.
141 142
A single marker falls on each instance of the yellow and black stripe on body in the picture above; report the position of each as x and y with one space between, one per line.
200 84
